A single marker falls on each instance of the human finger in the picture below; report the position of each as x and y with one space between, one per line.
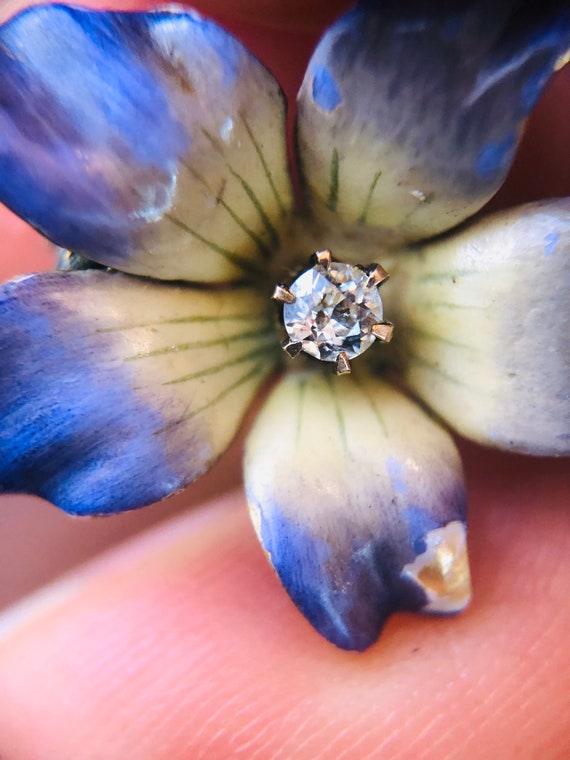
182 645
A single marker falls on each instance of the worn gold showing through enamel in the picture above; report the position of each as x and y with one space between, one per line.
333 311
442 570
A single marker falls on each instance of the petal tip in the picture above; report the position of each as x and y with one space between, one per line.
361 515
332 591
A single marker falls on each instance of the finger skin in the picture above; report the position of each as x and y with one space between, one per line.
182 645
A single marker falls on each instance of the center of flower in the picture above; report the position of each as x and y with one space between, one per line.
333 311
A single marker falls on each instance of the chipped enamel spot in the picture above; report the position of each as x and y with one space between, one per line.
397 475
157 200
442 570
419 195
533 87
325 91
227 130
493 157
550 243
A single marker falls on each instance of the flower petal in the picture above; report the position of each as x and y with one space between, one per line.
116 392
149 142
358 499
485 328
410 112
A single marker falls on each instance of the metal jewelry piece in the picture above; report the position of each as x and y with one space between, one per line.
333 311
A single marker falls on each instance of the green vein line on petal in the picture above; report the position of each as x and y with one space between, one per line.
264 250
198 319
338 412
262 247
107 412
420 332
365 392
368 201
214 369
444 276
224 340
415 358
250 192
259 368
433 305
266 169
508 305
332 199
234 258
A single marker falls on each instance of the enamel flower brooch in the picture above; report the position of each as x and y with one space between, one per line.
149 147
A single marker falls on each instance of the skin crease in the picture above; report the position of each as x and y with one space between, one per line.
181 645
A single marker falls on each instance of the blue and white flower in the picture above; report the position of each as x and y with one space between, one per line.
151 147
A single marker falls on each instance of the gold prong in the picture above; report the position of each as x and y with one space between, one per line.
343 364
323 258
376 275
383 331
292 347
283 294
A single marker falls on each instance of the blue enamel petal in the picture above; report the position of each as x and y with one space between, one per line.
359 504
410 112
132 139
115 393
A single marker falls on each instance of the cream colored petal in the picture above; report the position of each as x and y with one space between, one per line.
358 500
483 328
115 391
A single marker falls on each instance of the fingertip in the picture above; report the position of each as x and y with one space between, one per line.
183 644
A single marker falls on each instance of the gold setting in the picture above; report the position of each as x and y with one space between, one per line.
342 365
383 331
324 258
291 347
377 275
283 294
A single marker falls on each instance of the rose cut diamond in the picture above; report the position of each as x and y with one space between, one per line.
334 310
